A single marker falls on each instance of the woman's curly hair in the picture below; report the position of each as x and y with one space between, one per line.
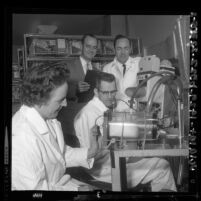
40 80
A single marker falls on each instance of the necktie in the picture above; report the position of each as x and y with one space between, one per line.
124 70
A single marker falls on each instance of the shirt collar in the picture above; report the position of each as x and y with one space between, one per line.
84 64
35 118
96 101
83 61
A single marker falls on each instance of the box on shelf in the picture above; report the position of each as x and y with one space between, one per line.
63 46
39 62
108 47
75 47
43 47
99 48
135 47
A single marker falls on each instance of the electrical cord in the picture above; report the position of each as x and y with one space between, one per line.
122 134
126 104
112 141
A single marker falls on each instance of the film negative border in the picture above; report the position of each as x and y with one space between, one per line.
193 154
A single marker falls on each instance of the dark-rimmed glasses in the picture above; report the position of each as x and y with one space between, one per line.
107 93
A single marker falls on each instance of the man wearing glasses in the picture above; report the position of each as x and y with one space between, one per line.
154 170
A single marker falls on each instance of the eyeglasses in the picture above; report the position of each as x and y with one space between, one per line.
107 93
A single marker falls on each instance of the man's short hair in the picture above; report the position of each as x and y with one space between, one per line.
40 80
119 36
102 76
90 35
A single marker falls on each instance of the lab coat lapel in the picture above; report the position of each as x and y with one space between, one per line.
131 70
42 129
117 71
126 77
58 130
118 74
54 137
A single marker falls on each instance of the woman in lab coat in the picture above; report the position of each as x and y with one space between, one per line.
153 170
39 154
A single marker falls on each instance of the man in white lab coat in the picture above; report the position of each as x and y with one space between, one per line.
154 170
125 69
39 154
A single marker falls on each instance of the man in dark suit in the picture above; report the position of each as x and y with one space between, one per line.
79 92
78 67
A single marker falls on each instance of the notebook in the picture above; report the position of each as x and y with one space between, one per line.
90 78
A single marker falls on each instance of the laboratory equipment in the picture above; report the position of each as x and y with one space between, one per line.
148 127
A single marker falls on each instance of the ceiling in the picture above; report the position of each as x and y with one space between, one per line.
67 24
150 28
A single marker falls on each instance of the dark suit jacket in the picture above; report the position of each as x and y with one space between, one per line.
76 75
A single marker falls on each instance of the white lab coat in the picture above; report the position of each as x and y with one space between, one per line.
154 169
126 81
39 154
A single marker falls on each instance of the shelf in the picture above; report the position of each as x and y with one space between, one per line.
108 58
32 35
47 58
56 47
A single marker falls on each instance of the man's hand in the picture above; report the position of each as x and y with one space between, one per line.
95 141
83 86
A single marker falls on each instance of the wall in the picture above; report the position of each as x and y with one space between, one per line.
67 24
118 25
152 29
